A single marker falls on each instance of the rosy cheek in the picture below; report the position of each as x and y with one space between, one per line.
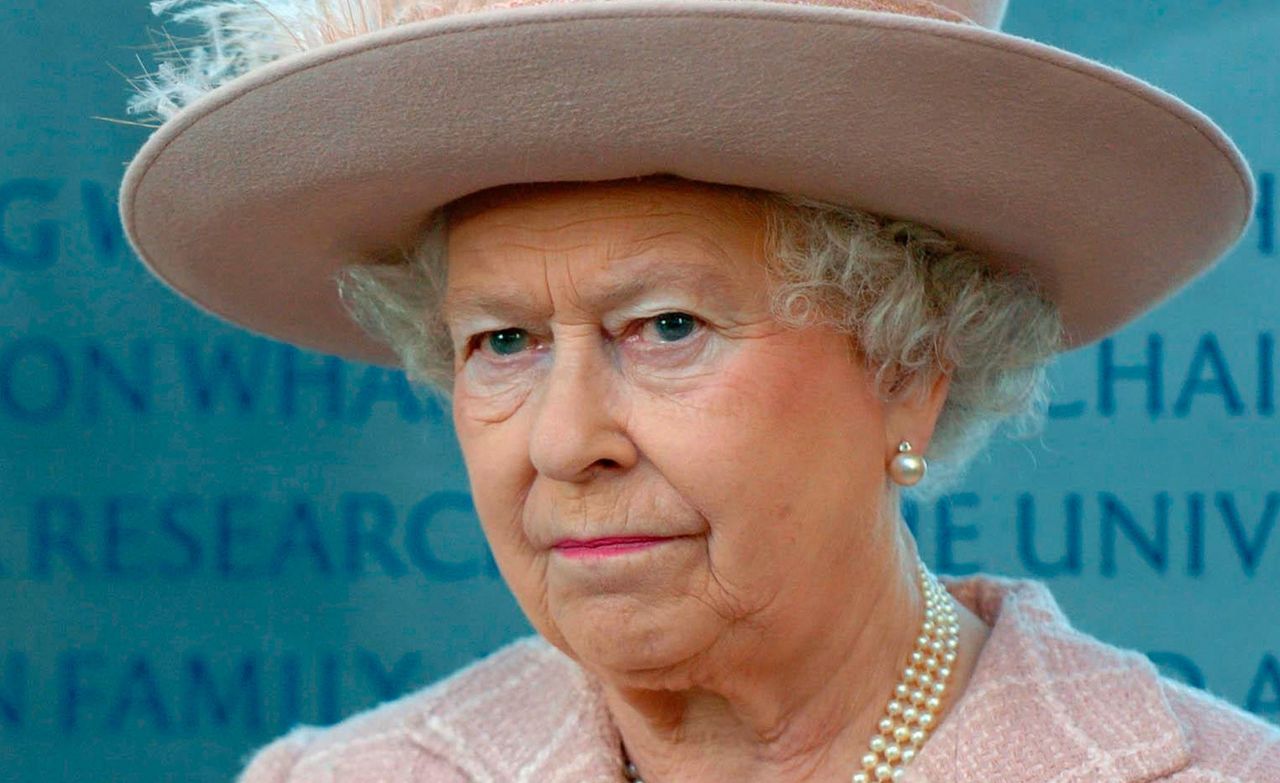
499 473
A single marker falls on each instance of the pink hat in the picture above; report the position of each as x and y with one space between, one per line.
303 137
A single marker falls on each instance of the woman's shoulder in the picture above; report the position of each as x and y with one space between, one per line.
430 734
1228 744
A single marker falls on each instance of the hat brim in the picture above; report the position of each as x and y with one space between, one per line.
1107 190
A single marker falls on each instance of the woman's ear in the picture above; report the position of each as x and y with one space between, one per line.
913 415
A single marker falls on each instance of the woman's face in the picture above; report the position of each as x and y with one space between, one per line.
661 469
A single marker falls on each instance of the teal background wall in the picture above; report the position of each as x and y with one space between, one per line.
206 536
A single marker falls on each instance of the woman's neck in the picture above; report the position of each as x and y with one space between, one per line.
784 710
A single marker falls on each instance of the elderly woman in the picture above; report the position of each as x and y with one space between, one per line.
689 403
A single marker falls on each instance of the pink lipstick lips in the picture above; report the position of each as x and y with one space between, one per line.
605 547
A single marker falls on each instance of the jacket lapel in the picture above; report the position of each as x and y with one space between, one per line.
528 714
1047 702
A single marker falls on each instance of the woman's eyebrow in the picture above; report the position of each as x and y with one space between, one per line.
499 300
512 301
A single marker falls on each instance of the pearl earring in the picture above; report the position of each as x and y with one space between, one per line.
907 467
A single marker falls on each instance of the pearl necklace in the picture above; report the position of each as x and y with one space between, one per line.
917 698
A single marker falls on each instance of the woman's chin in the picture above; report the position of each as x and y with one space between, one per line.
636 645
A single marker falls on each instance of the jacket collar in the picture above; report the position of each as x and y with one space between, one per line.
1064 705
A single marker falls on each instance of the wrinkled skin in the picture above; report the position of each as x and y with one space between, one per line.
760 639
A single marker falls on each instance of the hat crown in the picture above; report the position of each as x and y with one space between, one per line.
243 35
988 13
985 13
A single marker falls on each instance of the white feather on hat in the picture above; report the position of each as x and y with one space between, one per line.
241 35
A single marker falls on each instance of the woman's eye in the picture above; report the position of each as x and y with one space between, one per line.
667 327
673 326
505 342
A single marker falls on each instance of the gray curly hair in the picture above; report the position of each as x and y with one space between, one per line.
915 302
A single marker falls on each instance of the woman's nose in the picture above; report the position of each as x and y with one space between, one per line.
578 428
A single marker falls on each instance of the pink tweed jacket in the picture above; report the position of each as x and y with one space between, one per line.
1046 704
